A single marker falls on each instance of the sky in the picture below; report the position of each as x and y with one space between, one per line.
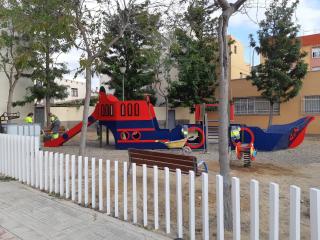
241 25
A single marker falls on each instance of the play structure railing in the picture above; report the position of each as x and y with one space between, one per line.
144 197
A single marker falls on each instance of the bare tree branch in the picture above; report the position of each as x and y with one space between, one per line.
224 4
238 4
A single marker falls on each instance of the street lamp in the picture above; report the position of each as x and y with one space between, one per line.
122 70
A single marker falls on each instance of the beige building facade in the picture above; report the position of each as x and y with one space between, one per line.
19 93
76 90
239 68
253 110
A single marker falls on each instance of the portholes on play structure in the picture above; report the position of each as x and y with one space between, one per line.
123 109
129 109
136 135
124 135
136 109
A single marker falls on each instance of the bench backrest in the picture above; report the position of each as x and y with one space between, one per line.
162 160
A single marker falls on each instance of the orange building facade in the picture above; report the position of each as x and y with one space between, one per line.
253 110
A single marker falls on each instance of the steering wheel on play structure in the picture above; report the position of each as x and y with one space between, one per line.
240 147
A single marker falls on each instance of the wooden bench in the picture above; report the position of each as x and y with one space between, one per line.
161 159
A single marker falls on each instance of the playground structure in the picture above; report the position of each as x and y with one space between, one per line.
278 137
252 139
133 125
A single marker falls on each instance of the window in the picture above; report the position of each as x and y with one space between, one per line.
74 92
235 49
316 52
311 104
248 106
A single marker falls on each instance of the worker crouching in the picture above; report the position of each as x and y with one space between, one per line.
54 127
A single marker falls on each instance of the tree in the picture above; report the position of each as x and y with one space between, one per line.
88 23
49 27
195 53
279 77
224 55
163 79
137 51
15 52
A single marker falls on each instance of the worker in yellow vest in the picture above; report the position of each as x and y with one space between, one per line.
29 118
55 125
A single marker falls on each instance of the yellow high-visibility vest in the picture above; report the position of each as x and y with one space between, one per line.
28 120
55 135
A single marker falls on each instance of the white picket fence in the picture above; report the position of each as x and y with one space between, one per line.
52 173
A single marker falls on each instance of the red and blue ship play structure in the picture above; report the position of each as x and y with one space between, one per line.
135 125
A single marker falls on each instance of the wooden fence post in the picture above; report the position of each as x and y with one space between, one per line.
93 183
125 191
134 193
100 186
274 212
155 198
145 195
61 180
236 208
167 199
73 178
86 189
108 187
67 176
116 186
56 173
315 213
51 172
254 210
192 224
205 207
179 204
80 179
220 217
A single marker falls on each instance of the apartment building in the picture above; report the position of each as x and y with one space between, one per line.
252 109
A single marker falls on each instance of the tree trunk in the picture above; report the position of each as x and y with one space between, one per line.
48 105
47 72
84 128
9 103
167 113
224 160
270 114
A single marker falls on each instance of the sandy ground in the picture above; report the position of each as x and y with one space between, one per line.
299 167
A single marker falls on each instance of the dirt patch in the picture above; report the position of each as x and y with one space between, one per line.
299 166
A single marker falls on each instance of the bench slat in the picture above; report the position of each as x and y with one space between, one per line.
162 165
154 153
163 159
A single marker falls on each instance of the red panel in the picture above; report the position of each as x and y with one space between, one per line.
197 113
142 141
231 112
299 139
135 129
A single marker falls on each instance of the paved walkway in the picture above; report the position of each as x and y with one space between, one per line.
26 213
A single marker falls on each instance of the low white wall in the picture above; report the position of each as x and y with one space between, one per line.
69 114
